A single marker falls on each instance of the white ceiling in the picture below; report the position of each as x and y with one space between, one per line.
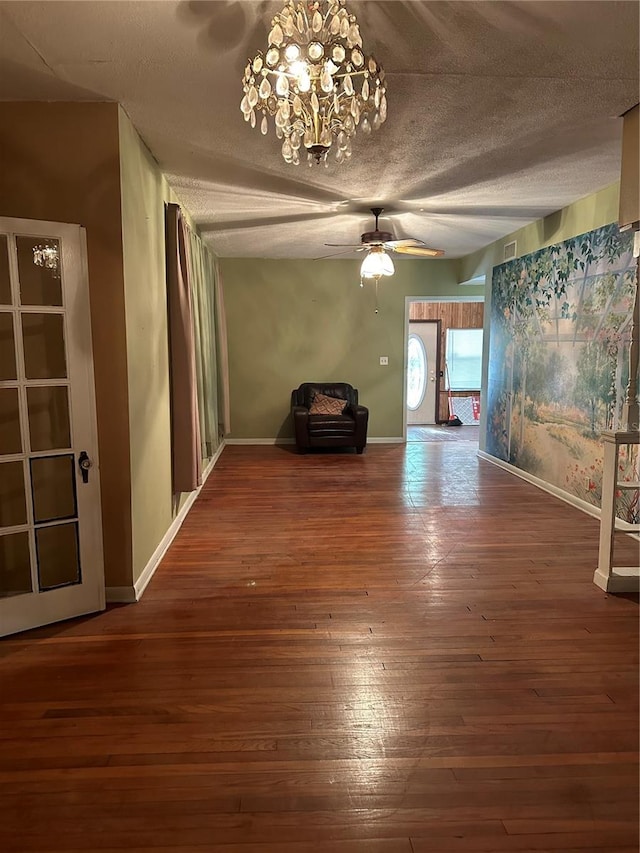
499 112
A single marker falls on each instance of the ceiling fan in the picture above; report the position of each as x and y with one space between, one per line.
377 240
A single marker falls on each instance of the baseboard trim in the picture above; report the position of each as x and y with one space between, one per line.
568 498
131 594
578 503
259 441
264 441
120 595
621 579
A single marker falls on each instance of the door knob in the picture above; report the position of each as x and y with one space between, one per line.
84 463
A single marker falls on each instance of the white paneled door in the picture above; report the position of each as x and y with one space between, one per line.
51 564
422 371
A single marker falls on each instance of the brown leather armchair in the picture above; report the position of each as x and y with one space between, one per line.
348 429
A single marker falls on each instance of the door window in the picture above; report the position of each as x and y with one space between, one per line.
416 372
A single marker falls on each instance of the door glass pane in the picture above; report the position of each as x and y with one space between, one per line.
39 270
13 506
416 372
53 485
44 356
49 417
15 564
10 438
7 347
5 283
58 556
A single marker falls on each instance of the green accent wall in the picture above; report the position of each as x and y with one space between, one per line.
293 321
144 192
584 215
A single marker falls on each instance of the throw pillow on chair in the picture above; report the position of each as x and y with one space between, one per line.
323 405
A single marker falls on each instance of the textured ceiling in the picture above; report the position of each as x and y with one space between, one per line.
499 112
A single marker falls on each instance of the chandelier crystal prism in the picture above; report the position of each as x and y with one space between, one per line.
47 256
315 82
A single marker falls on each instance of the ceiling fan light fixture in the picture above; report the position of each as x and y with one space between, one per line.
376 264
315 80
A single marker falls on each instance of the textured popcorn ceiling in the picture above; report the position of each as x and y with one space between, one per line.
499 112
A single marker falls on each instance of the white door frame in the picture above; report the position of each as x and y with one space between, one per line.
407 310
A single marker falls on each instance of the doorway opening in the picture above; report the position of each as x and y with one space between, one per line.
437 331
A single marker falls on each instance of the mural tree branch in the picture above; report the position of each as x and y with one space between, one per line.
592 389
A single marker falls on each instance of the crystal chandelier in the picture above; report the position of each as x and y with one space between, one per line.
46 256
315 81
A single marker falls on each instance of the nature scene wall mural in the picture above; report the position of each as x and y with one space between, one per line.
560 326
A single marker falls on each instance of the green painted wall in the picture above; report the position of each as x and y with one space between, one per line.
584 215
291 321
144 191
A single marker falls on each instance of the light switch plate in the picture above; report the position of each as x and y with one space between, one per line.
384 360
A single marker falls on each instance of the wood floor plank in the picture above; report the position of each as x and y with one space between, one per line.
398 652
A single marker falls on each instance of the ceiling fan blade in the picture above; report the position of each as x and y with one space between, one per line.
411 241
377 240
335 254
418 251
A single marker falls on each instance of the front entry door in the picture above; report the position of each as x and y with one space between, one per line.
51 565
422 371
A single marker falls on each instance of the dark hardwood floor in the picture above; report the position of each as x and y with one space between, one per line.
442 432
399 652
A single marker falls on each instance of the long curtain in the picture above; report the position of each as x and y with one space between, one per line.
204 317
185 420
223 355
195 343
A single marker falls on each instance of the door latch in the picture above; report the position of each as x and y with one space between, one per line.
84 463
